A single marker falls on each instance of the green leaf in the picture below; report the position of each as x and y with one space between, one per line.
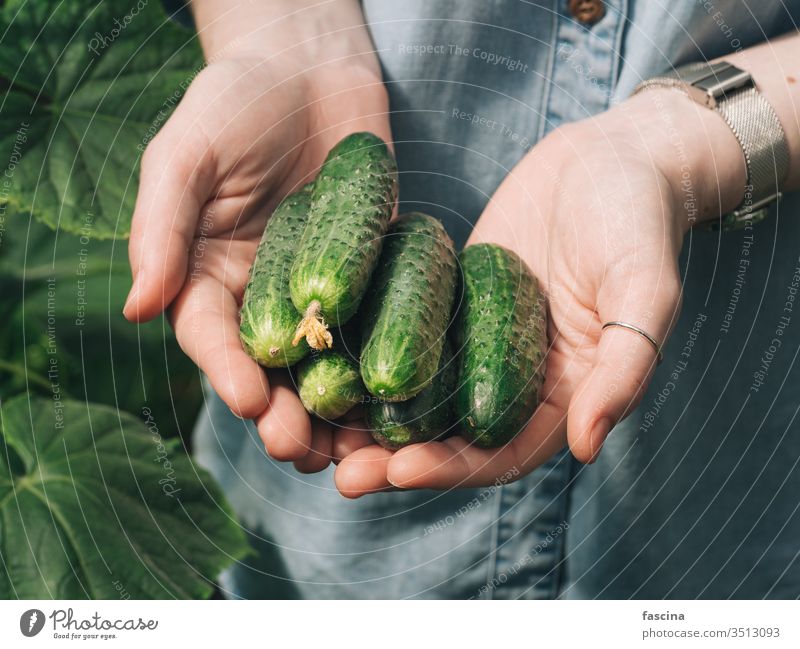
62 306
94 503
32 252
88 85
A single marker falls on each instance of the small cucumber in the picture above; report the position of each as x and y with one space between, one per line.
423 418
329 383
268 319
407 308
352 202
501 338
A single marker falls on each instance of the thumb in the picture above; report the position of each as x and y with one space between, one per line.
175 182
625 359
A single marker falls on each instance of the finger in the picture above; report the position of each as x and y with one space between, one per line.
318 456
348 438
456 463
625 360
285 427
175 182
206 321
363 472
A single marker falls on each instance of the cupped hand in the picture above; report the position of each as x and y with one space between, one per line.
598 211
250 130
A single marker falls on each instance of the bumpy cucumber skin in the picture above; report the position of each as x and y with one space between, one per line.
424 418
329 384
501 339
351 205
268 318
407 308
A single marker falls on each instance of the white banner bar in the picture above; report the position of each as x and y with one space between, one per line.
400 624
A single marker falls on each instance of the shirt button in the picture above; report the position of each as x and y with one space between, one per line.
587 11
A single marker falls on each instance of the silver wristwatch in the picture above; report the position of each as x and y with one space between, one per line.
733 94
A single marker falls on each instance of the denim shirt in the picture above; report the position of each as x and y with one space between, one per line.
696 493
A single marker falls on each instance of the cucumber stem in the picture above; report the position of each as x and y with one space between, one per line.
313 328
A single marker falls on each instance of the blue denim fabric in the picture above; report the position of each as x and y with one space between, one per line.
695 495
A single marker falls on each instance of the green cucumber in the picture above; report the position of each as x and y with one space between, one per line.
268 319
407 308
423 418
501 335
329 382
352 202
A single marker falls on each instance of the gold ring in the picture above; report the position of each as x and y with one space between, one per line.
641 332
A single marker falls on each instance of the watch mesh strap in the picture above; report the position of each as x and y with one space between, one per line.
759 132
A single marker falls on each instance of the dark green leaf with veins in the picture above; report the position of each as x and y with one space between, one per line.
84 96
94 504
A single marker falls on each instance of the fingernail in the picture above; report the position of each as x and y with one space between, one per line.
600 430
131 297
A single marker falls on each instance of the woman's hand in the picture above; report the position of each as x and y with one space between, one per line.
598 211
282 87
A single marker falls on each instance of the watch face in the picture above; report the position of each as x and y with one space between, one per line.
720 79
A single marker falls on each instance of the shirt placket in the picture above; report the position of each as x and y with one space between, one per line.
532 515
585 62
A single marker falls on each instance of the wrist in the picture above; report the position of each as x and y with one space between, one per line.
694 149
